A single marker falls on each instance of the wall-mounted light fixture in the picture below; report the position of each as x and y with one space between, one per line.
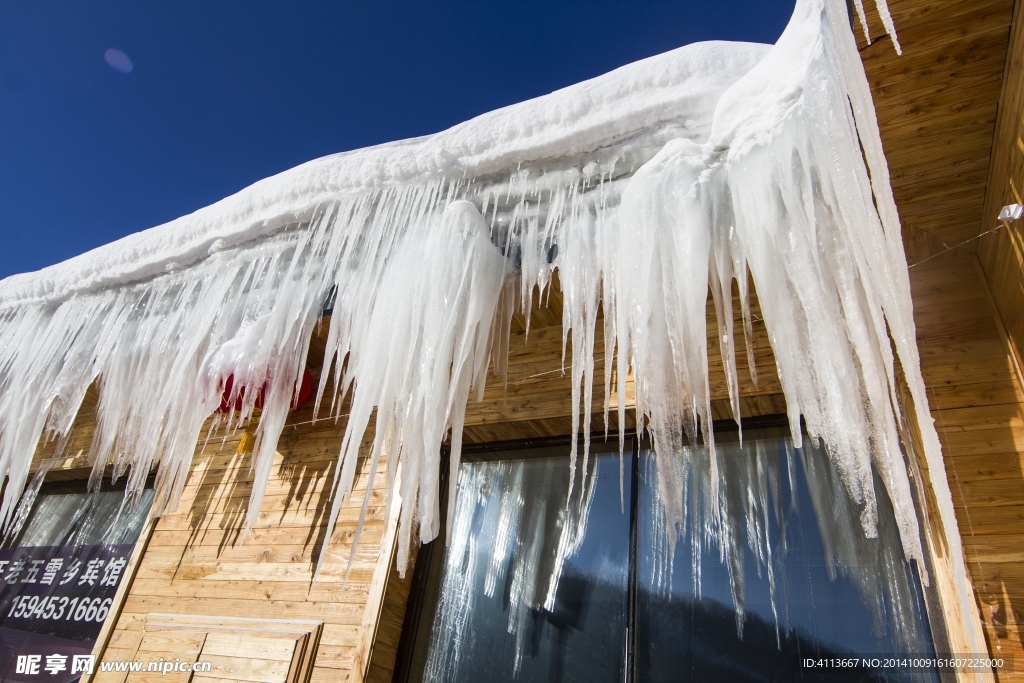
1011 213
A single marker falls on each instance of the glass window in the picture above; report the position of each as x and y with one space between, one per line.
58 578
533 584
803 580
623 578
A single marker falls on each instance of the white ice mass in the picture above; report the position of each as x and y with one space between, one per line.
643 188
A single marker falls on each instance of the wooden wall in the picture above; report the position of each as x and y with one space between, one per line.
1001 253
198 564
976 401
936 105
996 531
537 400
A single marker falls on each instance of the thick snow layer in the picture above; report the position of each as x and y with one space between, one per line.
644 189
680 86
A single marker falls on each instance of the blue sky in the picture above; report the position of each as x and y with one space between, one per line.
225 93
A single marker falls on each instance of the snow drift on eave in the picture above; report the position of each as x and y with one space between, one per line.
644 188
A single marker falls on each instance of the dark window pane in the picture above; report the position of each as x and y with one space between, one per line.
805 579
58 580
534 582
75 519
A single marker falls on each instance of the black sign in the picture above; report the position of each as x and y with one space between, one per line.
53 601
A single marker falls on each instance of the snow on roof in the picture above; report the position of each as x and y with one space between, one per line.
681 85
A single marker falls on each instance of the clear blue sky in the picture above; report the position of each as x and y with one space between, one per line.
225 93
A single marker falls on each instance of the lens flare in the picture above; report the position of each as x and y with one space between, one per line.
118 61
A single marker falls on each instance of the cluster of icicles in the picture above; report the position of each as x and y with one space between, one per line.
425 275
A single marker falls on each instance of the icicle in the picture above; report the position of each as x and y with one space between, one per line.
28 499
423 344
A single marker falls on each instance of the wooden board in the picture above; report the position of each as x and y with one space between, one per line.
169 646
975 397
936 108
228 649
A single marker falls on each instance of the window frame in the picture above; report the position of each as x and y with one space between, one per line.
932 615
73 481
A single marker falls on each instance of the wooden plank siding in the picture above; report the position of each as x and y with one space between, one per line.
937 105
537 400
996 478
198 564
949 113
975 399
1001 253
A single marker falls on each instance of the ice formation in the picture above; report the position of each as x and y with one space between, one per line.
517 523
752 500
643 188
